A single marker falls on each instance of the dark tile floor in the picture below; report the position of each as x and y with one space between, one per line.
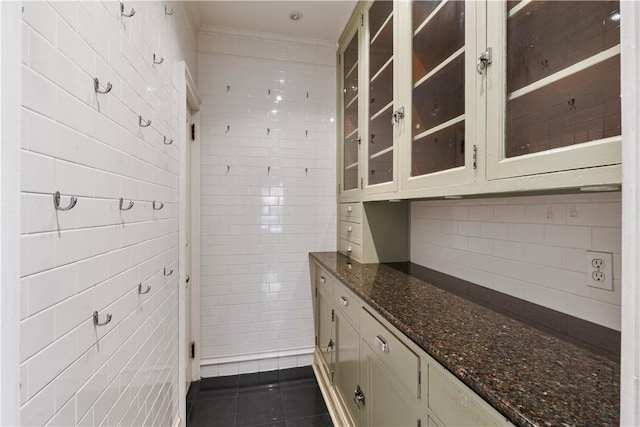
286 398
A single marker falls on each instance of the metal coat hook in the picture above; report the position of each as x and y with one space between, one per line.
96 320
268 170
572 104
158 61
306 171
306 133
168 143
122 208
130 14
228 169
168 11
228 88
269 92
56 202
143 123
307 95
146 291
228 129
96 86
157 208
268 131
169 273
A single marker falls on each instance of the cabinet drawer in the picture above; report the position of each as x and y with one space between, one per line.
351 231
324 281
351 212
347 302
456 405
396 356
351 249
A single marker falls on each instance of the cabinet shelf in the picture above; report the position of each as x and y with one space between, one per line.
350 134
382 27
381 153
351 166
350 103
351 70
381 111
518 8
437 69
439 128
429 17
382 69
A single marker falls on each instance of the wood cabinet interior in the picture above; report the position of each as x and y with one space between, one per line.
385 232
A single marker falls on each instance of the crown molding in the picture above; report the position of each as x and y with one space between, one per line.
257 35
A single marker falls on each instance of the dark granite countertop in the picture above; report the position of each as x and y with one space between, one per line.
532 377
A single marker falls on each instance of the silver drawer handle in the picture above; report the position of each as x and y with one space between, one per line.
349 249
344 301
322 279
349 209
349 229
382 344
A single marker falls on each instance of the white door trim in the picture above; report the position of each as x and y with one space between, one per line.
10 87
630 88
187 95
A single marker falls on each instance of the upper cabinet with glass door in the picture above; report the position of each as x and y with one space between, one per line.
554 87
441 84
349 60
380 144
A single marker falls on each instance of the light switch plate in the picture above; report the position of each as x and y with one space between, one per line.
600 270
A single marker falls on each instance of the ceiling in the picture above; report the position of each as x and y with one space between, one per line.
322 20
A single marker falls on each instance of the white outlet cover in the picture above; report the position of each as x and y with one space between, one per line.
607 270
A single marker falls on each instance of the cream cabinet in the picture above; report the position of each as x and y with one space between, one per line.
373 375
478 97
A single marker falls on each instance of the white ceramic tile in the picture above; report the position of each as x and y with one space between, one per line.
606 239
567 236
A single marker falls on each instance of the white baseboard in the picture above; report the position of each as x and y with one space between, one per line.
256 362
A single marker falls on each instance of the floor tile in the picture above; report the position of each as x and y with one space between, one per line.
213 388
259 408
323 420
303 402
194 387
257 382
216 412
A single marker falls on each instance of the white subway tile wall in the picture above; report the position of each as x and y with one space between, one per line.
533 248
267 196
93 256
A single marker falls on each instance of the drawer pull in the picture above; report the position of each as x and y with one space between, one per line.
349 249
349 229
358 396
344 301
330 346
349 209
382 344
322 279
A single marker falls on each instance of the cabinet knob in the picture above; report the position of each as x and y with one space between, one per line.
322 279
349 209
349 229
349 249
344 301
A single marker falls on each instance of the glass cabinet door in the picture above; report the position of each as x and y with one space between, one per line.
350 130
380 78
560 78
442 93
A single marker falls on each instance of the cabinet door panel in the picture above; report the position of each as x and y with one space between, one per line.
386 403
325 330
350 114
347 363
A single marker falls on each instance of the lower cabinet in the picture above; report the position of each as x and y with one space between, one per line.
384 400
373 375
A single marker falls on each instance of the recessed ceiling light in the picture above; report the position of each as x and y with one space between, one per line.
295 16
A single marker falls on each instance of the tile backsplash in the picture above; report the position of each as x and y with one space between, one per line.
533 248
267 196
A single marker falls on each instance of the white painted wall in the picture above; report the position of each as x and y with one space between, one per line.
533 248
257 226
94 256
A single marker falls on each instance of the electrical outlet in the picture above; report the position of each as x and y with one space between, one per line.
600 270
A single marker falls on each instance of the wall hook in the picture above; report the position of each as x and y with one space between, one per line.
269 92
228 169
158 61
146 291
168 11
306 133
122 208
268 131
130 14
96 86
56 202
169 273
168 143
228 129
307 95
96 321
157 208
268 170
228 88
572 104
143 123
306 171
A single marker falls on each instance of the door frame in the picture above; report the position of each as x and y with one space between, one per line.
188 97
